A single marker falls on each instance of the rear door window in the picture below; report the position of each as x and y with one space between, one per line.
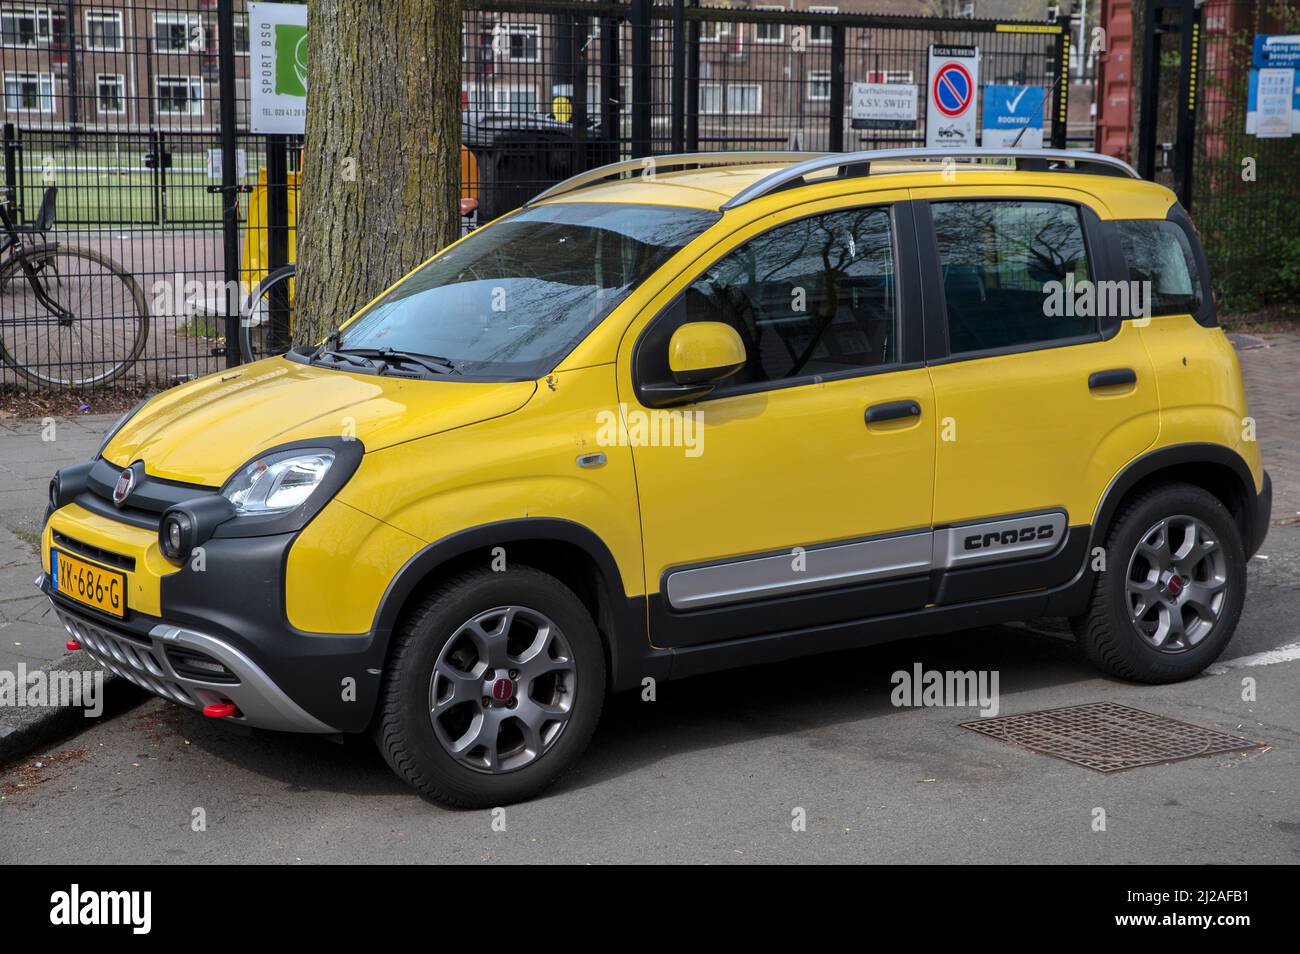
997 259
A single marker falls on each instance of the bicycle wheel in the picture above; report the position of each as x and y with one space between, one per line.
78 318
266 320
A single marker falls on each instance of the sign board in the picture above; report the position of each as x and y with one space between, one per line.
1273 96
953 88
277 35
1269 112
1278 51
884 106
1013 116
215 164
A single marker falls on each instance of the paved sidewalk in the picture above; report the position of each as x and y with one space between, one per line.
1272 378
30 452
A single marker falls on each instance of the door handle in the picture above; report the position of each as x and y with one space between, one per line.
892 411
1115 377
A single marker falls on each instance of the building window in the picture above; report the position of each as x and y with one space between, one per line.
519 43
180 95
890 76
514 99
820 32
104 30
241 34
769 32
500 99
819 85
178 33
710 98
24 26
714 31
33 92
744 98
110 94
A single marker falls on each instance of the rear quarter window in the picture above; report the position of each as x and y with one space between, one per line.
1157 252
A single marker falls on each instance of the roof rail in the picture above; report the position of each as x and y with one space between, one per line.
859 164
654 165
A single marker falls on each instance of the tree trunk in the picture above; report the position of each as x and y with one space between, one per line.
381 176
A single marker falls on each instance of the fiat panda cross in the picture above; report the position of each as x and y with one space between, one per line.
725 410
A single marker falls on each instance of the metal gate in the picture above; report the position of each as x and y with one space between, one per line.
135 112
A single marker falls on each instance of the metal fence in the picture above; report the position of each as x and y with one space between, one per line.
121 118
1245 189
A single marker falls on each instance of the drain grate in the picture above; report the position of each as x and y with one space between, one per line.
1108 737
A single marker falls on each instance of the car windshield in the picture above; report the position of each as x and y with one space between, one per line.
514 298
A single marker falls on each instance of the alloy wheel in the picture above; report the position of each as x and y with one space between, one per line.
502 689
1176 584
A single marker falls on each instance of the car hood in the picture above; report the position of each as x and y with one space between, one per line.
200 432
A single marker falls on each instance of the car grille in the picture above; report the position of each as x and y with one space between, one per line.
143 662
98 554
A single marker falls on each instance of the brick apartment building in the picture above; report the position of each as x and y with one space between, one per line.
132 65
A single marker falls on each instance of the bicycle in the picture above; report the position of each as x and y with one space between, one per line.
65 310
266 316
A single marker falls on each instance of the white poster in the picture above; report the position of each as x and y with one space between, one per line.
277 40
951 101
1273 103
884 106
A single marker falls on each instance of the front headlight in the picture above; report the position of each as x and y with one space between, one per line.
277 483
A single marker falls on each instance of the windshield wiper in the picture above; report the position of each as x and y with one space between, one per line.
430 362
356 360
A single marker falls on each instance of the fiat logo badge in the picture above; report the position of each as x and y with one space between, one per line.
122 489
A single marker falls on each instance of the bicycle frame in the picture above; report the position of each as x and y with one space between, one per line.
12 240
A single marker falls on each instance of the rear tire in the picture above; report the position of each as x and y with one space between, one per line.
1171 594
448 723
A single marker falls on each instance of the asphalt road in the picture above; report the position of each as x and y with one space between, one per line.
713 770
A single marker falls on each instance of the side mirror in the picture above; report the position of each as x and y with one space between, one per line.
700 355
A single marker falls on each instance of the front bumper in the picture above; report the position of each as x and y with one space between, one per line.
191 668
232 612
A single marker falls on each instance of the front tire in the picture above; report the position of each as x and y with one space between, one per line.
493 688
1170 596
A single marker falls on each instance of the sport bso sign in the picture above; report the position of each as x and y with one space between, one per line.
951 106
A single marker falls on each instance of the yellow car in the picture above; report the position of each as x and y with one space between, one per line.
676 416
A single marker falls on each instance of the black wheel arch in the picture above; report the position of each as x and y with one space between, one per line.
1213 467
567 550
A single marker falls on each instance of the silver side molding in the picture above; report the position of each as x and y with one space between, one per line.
910 553
799 570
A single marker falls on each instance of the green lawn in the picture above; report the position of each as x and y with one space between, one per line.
110 189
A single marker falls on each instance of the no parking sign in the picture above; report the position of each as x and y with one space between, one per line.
951 104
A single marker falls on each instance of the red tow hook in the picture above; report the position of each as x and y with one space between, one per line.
72 645
219 710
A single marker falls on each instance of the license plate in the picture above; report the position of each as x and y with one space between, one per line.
88 583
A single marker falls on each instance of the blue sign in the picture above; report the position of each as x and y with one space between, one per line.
1278 51
1013 115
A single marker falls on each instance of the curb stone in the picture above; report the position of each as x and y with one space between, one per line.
24 730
